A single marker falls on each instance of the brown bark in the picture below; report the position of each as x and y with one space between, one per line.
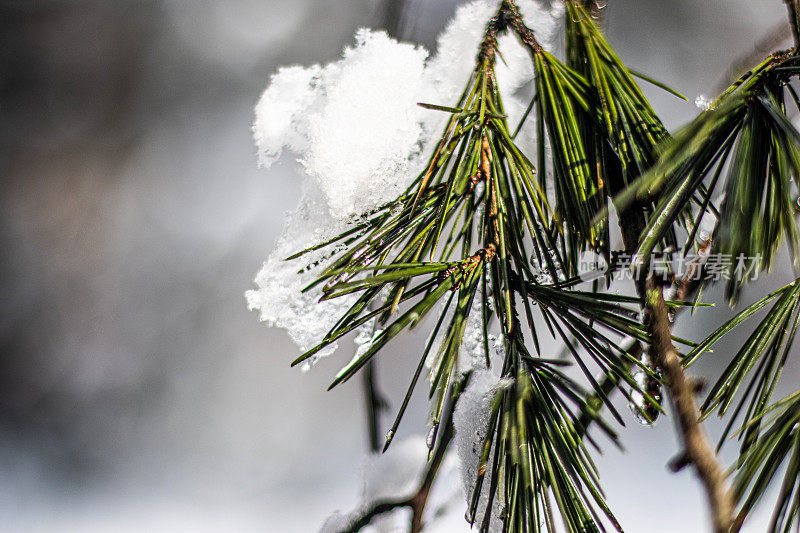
697 450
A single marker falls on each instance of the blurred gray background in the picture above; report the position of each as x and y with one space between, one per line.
136 391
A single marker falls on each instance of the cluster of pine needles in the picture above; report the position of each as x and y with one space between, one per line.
491 232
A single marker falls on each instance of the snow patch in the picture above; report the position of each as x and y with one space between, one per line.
361 139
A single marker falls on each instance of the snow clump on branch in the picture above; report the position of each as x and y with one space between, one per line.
360 139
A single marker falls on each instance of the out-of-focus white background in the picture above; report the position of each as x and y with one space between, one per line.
136 391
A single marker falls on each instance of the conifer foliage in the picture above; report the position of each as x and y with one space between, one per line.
486 249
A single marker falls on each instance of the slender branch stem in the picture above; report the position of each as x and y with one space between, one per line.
685 289
393 11
375 510
697 450
417 501
793 7
375 403
681 389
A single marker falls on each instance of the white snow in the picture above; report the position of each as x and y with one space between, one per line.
279 298
367 333
471 354
396 475
280 112
703 102
354 123
457 47
360 139
471 421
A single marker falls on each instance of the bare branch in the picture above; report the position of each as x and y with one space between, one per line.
793 7
698 451
393 11
419 499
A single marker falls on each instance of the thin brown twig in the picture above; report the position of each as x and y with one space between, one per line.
417 501
793 7
393 11
685 289
697 450
681 389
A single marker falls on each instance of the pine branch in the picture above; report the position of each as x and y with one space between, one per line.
778 448
478 185
697 450
685 290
